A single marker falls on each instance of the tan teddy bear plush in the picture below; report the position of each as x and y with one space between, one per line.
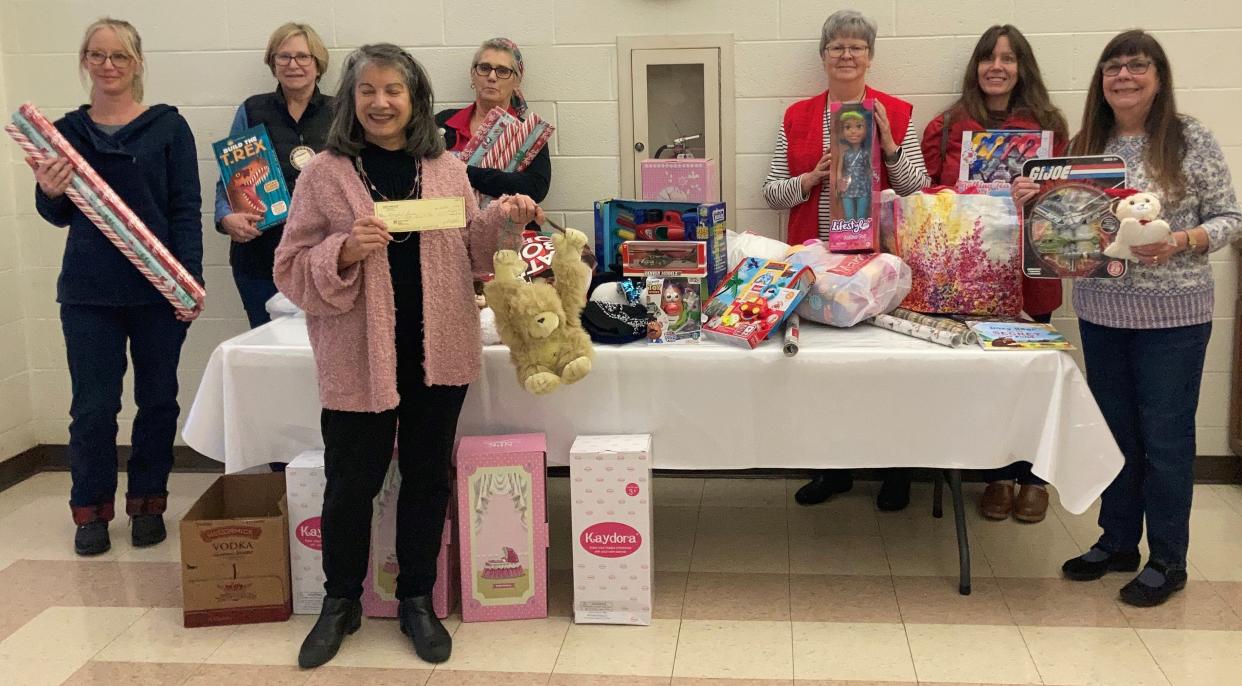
542 323
1140 225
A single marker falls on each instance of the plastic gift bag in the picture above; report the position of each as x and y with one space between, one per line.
850 288
964 252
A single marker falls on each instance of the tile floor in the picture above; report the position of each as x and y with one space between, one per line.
750 589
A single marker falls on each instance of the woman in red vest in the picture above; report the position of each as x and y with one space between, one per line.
1002 89
798 179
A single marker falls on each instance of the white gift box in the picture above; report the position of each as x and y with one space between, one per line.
610 490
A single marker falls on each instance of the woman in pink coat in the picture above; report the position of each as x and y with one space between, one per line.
394 329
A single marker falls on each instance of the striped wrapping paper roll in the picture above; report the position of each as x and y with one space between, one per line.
539 133
493 124
88 191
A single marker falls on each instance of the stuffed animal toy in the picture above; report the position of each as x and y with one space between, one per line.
542 323
1139 225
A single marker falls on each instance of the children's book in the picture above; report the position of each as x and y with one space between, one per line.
253 181
991 159
1019 336
1070 221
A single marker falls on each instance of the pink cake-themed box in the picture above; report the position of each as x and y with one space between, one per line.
502 527
304 484
610 490
679 180
379 590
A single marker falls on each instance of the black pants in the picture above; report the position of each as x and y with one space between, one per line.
96 338
357 452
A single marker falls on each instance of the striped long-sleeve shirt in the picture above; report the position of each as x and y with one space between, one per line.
906 175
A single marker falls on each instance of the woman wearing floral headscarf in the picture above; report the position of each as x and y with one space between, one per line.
496 74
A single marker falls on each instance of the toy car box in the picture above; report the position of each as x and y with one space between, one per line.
617 221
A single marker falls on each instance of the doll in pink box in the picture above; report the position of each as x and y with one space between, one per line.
853 165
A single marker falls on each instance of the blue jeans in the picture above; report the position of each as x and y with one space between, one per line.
856 208
1146 382
95 340
255 292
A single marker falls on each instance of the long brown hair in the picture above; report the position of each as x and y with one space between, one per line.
1029 96
1166 139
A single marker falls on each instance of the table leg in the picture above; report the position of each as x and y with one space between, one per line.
938 495
959 516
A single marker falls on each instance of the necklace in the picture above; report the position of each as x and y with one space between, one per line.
415 190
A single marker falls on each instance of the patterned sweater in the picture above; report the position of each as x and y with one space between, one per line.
1181 292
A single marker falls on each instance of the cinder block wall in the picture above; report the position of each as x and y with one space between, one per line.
206 57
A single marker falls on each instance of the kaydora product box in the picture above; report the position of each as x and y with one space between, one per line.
304 485
305 479
618 221
235 553
502 527
379 590
610 490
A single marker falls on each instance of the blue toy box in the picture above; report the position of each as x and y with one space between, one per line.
617 221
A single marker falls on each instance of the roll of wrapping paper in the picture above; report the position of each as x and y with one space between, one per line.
493 124
540 132
915 330
96 199
793 325
943 323
509 151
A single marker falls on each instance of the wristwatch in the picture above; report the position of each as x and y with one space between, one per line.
889 159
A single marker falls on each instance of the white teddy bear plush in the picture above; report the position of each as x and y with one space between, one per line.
1139 225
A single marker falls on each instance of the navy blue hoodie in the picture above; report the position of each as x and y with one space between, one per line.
151 163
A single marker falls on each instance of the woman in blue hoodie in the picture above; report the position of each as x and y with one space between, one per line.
146 154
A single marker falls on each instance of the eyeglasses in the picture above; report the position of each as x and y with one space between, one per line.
836 51
284 58
1136 67
119 59
483 69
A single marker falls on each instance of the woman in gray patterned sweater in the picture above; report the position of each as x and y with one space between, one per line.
1144 336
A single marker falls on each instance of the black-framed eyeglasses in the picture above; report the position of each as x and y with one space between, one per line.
1136 67
284 58
483 69
841 50
119 59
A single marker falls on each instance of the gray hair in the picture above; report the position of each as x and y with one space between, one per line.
847 24
501 44
422 136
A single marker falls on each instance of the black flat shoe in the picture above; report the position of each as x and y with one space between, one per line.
92 539
1080 569
825 484
147 530
1140 594
338 618
432 641
895 491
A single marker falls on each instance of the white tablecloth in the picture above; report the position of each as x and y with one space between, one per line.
861 397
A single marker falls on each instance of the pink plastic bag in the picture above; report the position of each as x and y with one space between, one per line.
850 288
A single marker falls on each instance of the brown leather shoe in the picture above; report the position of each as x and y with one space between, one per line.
1032 504
997 500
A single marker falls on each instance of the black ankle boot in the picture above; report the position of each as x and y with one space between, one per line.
1081 569
338 618
825 484
92 539
894 493
432 641
147 530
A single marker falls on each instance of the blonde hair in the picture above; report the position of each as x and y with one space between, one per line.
289 30
130 41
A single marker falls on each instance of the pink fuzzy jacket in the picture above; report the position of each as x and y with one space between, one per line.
350 314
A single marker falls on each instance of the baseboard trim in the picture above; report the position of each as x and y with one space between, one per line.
1209 469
